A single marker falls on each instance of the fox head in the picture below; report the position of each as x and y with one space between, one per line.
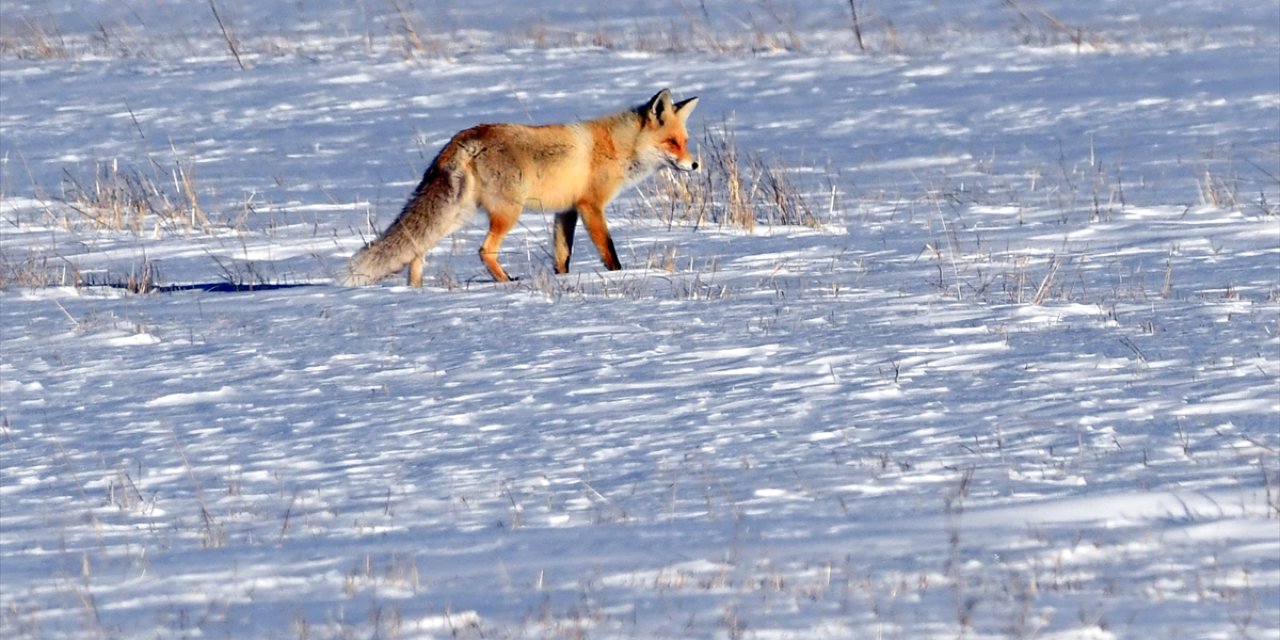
664 123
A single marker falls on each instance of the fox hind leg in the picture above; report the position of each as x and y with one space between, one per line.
415 271
501 221
449 220
566 222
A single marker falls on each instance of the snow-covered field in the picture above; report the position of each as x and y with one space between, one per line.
1019 378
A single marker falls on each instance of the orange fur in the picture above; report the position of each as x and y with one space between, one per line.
573 170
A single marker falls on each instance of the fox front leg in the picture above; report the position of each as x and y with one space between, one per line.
593 219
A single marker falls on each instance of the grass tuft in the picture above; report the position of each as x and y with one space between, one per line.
33 41
733 188
117 198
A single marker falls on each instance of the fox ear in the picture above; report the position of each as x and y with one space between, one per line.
685 107
659 107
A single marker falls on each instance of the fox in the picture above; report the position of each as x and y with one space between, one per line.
572 170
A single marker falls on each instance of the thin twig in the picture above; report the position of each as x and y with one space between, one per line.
68 315
1043 291
1136 351
857 25
226 35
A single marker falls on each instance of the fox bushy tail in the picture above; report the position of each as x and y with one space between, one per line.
436 209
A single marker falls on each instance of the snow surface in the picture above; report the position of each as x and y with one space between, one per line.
1022 381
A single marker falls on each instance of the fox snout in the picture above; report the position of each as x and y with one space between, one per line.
679 157
676 152
684 165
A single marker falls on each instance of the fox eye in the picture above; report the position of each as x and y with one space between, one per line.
673 143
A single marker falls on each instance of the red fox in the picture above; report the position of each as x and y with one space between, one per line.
573 170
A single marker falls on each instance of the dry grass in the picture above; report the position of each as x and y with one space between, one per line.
33 271
117 198
1038 26
400 27
733 188
32 40
42 270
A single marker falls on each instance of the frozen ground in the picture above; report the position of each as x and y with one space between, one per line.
1022 380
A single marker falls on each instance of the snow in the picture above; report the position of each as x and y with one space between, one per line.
1020 379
